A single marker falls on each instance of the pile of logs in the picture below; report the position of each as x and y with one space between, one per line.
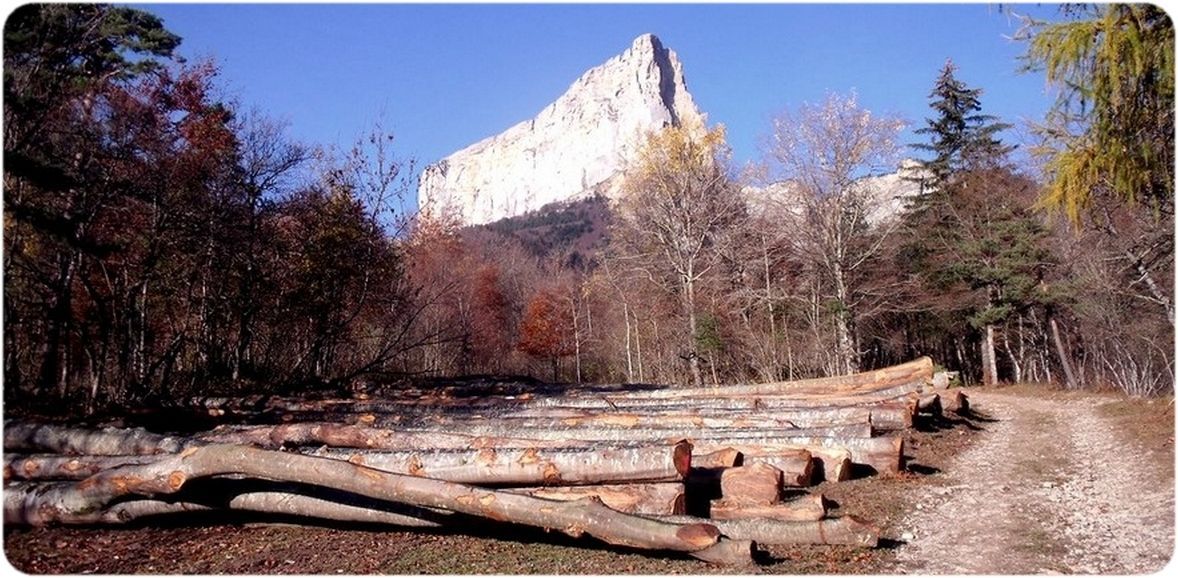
705 471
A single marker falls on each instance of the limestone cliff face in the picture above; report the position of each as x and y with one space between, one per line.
576 146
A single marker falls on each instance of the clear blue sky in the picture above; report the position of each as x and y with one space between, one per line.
444 76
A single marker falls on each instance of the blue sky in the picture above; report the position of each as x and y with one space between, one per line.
444 76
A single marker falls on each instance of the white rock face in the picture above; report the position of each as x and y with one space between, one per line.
885 196
576 146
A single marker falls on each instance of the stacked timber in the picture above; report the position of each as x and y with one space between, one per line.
704 471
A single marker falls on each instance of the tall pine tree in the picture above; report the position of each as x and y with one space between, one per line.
961 137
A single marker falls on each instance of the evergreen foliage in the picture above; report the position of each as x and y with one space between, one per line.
961 138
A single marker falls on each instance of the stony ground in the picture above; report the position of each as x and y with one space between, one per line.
1054 485
1037 482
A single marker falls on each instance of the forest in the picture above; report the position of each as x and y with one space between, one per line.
162 241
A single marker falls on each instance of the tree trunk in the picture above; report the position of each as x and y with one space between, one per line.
989 359
363 437
929 405
66 503
796 466
757 484
804 509
20 499
530 466
847 530
667 435
56 467
645 499
697 378
1064 357
881 454
28 437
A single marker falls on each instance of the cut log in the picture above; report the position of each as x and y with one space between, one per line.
645 499
955 401
665 435
847 530
881 454
529 466
724 458
18 499
831 464
865 382
643 419
803 509
795 465
65 503
56 467
28 437
929 405
363 437
728 552
757 484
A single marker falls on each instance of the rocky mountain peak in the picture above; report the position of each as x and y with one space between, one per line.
577 146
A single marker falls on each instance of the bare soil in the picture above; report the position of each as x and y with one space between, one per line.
1036 481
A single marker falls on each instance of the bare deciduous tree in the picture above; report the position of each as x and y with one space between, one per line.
824 153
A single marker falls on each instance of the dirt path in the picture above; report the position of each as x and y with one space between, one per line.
1050 486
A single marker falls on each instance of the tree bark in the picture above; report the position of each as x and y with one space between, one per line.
1064 357
672 434
880 454
883 415
29 437
21 498
989 358
530 466
55 467
645 499
64 503
363 437
847 530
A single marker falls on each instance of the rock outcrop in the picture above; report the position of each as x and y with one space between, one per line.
885 197
577 146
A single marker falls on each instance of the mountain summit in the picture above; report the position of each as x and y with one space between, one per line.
577 146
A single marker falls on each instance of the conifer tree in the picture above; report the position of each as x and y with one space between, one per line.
976 247
962 137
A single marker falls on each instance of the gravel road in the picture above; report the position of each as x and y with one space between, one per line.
1049 487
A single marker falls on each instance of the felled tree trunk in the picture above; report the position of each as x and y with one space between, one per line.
881 454
803 509
21 499
66 503
956 402
847 530
671 434
56 467
796 465
640 419
723 458
929 405
364 437
885 416
27 437
865 382
646 499
753 484
530 466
